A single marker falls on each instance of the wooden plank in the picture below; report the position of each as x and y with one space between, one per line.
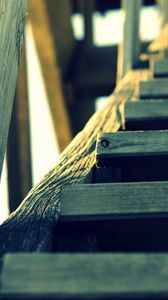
159 67
113 217
114 201
166 53
146 115
38 213
140 143
50 65
83 276
18 150
132 156
11 35
154 88
130 47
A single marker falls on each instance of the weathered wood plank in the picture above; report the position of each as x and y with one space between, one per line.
154 88
114 201
146 115
130 47
48 56
159 67
30 226
12 17
83 276
139 143
132 156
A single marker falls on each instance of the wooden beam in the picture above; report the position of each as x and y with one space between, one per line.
89 9
59 18
146 115
159 67
48 56
154 88
12 21
114 201
31 226
85 276
140 143
18 150
129 49
132 156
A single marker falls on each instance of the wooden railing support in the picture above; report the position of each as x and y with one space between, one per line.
129 49
12 19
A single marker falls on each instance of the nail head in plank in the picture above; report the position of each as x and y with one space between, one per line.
84 276
114 201
154 88
138 143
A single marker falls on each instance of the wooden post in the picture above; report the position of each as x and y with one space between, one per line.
89 8
129 49
59 17
12 19
45 40
18 150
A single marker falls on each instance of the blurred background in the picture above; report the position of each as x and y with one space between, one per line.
70 64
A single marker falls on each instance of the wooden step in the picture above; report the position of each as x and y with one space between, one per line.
114 217
154 88
159 67
85 276
146 115
132 156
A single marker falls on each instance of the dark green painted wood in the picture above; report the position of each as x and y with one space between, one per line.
159 67
132 156
146 115
139 143
114 201
93 276
154 88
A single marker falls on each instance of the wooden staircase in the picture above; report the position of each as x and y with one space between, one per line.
111 240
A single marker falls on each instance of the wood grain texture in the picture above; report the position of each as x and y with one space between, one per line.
42 27
154 88
28 228
146 115
85 276
139 143
114 201
12 19
146 110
